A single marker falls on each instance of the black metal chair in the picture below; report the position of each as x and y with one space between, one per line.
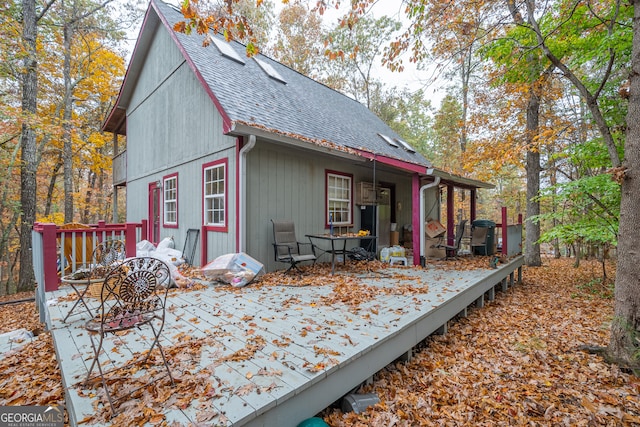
133 296
104 257
451 251
287 248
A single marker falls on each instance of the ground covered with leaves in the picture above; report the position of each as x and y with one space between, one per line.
517 361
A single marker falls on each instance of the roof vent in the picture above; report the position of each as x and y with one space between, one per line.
226 50
405 145
271 72
388 140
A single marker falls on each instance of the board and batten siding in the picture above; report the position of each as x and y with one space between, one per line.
174 127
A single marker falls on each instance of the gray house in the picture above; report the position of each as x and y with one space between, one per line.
222 143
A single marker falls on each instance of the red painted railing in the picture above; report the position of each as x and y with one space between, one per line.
49 240
516 246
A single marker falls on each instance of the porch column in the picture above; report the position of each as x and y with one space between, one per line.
450 215
473 196
415 218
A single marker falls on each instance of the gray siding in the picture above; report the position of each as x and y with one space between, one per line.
173 126
284 183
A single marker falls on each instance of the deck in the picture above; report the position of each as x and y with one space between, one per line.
269 355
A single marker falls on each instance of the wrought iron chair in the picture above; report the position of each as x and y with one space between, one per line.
133 296
103 258
451 251
286 246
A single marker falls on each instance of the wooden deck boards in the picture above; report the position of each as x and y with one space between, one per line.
313 351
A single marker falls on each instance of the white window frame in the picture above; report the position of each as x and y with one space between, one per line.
214 194
339 198
170 200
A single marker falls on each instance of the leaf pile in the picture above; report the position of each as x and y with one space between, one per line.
515 362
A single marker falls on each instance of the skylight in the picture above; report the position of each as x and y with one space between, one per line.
405 145
271 72
388 140
226 50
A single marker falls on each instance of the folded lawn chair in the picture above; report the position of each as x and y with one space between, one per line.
451 251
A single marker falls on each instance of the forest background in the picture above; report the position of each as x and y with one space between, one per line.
536 101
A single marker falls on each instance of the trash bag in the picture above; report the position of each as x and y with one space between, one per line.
361 254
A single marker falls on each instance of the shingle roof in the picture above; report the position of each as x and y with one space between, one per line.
302 106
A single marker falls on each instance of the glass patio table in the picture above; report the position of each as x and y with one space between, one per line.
339 244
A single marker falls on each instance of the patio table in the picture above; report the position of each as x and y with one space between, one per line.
336 248
81 287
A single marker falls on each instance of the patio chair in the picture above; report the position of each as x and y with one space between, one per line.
103 258
479 240
451 251
133 296
287 248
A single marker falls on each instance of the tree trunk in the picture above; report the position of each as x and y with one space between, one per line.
29 165
532 229
67 153
624 346
532 233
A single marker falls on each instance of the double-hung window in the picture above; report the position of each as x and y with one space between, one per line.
214 183
339 198
170 197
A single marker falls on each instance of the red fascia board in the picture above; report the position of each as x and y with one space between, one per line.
394 162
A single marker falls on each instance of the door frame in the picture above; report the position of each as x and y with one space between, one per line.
153 211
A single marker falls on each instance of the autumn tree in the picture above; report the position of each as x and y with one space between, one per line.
406 112
39 71
355 50
299 43
29 162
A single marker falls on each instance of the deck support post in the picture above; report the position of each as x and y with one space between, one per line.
463 313
407 356
511 279
520 275
492 294
442 330
504 285
480 301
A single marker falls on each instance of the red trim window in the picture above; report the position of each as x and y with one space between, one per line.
214 195
339 198
170 200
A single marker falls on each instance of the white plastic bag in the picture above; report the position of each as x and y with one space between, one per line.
166 243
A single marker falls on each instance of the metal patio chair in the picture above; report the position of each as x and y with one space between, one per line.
133 296
451 251
286 247
104 257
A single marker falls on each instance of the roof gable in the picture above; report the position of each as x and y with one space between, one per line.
265 94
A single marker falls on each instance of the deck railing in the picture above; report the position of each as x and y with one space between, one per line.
511 235
51 243
48 250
